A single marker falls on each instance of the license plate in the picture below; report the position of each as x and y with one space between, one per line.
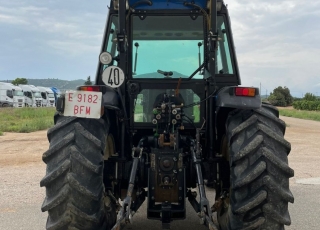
83 104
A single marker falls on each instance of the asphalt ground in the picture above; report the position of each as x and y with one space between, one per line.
304 214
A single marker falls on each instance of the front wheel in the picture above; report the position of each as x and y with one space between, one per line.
75 193
259 172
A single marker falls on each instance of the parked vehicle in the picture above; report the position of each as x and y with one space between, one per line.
11 95
48 99
196 127
32 96
56 93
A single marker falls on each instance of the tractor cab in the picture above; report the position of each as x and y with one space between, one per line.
169 40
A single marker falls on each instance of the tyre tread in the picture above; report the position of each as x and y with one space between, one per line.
259 170
74 178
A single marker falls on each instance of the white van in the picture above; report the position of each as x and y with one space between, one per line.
32 96
47 95
11 95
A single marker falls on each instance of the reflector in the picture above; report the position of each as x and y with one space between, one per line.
252 92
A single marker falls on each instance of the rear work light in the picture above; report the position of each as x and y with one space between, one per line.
245 91
95 88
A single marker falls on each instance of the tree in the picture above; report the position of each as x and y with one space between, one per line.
277 99
20 81
281 97
88 81
309 97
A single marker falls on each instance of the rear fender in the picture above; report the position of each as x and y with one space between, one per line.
110 99
227 101
226 98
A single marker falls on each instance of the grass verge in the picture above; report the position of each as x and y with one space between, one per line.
302 114
25 120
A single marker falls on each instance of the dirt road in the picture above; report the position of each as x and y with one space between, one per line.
20 149
21 169
304 136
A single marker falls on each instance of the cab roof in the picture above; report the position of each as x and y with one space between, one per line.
166 4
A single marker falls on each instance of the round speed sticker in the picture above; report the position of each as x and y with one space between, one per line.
113 76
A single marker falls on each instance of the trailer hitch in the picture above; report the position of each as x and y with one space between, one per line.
125 214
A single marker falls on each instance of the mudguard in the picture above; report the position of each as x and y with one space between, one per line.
226 98
111 99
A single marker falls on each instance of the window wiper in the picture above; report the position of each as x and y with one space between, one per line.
195 72
200 66
135 59
167 74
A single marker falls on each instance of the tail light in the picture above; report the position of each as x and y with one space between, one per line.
95 88
245 91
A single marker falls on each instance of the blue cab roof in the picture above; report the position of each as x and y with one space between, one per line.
167 4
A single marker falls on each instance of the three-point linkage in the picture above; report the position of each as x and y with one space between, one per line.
125 213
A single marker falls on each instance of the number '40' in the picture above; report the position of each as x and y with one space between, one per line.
114 77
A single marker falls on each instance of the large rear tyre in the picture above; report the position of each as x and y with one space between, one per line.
75 193
259 172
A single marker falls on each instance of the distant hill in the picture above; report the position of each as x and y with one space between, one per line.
60 84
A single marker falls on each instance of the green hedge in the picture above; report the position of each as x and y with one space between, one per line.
307 105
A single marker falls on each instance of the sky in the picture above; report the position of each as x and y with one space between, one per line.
277 42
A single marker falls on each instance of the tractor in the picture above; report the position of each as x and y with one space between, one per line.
166 118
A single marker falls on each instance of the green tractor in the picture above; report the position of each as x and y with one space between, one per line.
165 119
